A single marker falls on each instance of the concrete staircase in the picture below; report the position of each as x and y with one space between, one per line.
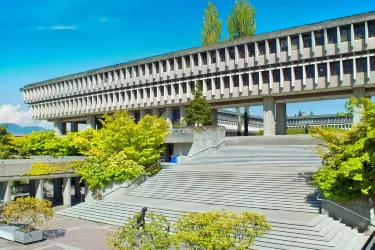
259 174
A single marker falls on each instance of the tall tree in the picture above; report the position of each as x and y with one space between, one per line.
199 110
241 20
211 31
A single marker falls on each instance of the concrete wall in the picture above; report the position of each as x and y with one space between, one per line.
179 138
363 206
182 149
206 138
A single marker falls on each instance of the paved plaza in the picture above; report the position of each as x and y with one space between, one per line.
68 233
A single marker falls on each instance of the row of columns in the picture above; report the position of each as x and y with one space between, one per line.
61 190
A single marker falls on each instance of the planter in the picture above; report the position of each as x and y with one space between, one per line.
28 237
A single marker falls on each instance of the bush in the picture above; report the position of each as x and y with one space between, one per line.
155 236
30 212
48 168
349 157
219 230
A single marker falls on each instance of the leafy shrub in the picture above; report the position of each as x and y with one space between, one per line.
29 211
155 236
219 230
349 157
48 168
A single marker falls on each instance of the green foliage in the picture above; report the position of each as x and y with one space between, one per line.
219 230
6 138
241 20
98 172
155 236
349 157
211 25
29 211
20 146
199 110
349 108
48 168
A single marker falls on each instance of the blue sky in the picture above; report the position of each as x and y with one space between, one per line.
43 39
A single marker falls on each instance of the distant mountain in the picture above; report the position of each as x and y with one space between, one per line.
17 130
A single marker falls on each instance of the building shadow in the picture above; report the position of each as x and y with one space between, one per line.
53 234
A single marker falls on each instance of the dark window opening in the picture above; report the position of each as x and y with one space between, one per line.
164 66
179 63
176 89
322 70
361 65
171 64
169 90
276 75
245 80
187 61
241 52
335 68
213 57
298 73
149 68
232 53
195 59
287 73
148 93
157 68
161 90
283 44
255 78
261 48
347 66
251 48
319 38
310 71
222 55
217 83
345 34
143 69
372 63
295 42
184 84
236 81
371 29
209 84
359 31
226 82
306 40
332 36
265 77
272 46
204 58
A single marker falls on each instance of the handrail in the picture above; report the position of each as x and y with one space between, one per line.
350 211
201 151
128 184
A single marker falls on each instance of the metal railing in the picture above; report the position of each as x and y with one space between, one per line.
342 207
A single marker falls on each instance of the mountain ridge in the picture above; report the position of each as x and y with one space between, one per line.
19 130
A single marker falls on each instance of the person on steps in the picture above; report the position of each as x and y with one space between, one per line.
141 219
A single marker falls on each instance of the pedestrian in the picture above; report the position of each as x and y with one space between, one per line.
306 129
99 195
141 219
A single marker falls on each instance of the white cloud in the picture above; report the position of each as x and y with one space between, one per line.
12 114
59 27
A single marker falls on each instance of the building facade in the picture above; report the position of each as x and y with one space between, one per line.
327 60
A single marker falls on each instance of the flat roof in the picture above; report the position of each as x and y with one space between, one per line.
258 37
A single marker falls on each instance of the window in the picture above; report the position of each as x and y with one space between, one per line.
361 65
179 63
204 58
310 71
236 81
287 74
176 89
217 83
187 61
149 66
241 51
295 43
232 53
371 29
155 90
272 46
222 55
161 90
164 65
319 38
283 44
183 85
345 33
372 63
136 71
332 36
359 31
261 48
171 64
195 59
169 90
213 56
276 75
322 70
306 40
245 79
251 48
141 93
265 77
148 93
298 73
209 84
255 78
226 82
347 66
157 68
334 68
192 86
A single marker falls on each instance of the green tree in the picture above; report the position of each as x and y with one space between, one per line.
349 157
199 110
241 20
211 31
311 113
155 235
6 138
349 108
219 230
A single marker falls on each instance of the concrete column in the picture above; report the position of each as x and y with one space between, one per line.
67 195
214 117
90 122
57 126
168 117
246 121
358 94
182 116
5 191
77 188
155 112
57 190
269 116
39 192
74 127
281 118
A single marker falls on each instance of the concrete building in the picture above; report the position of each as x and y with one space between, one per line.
326 60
